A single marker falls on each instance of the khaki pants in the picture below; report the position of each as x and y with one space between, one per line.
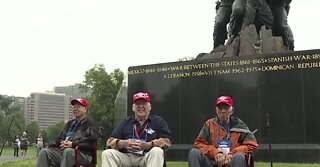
115 158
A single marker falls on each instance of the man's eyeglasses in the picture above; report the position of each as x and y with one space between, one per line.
222 112
77 107
224 109
143 103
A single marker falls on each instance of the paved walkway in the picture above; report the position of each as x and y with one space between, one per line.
7 158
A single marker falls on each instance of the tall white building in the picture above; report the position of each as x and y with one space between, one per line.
47 109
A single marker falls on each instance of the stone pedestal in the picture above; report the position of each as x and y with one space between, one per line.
249 42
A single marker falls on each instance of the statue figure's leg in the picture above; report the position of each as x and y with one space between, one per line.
250 14
220 27
281 27
265 16
236 18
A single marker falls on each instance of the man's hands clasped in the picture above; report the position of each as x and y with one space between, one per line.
223 159
65 144
134 145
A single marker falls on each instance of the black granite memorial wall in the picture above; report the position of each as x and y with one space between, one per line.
286 86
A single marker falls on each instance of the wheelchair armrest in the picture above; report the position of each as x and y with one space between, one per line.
93 155
250 160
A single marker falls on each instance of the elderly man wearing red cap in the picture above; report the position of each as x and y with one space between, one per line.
139 140
81 131
223 141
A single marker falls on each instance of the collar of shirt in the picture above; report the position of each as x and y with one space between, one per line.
135 121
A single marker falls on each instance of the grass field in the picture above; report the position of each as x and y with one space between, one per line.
32 153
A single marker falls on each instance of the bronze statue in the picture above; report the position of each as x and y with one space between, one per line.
223 13
280 10
273 14
255 12
236 18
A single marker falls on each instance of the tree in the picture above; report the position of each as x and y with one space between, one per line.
10 112
5 104
18 124
187 58
54 131
104 88
44 136
2 126
33 131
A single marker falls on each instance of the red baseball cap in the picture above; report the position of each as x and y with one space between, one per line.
224 100
81 101
141 95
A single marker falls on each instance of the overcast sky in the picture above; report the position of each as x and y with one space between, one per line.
48 43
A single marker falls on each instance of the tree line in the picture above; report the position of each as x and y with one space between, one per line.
104 87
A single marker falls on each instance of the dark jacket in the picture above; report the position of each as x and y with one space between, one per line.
85 135
157 131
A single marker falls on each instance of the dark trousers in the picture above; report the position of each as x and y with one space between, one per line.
16 151
236 18
220 26
197 159
258 11
247 12
281 27
54 156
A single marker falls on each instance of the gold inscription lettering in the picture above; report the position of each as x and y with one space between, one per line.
220 72
309 65
196 66
238 70
214 65
244 62
305 57
279 59
259 61
298 57
176 68
259 64
178 75
229 63
277 67
316 56
139 71
150 70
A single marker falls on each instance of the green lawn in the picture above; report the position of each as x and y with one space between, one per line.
32 153
31 163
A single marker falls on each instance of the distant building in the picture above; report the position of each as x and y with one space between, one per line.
47 109
16 102
19 101
72 90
